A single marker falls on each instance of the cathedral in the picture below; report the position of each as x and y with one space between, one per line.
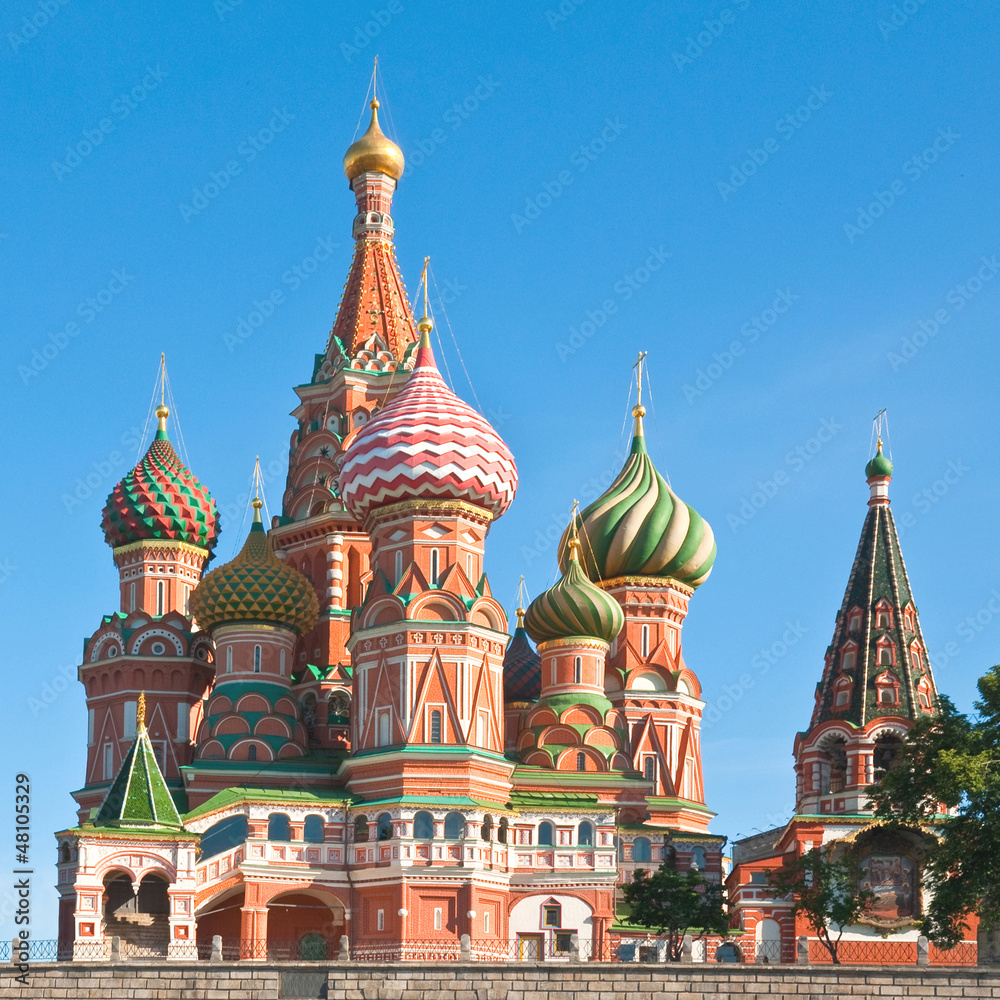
333 740
333 744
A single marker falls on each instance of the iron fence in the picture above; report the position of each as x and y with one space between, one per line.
442 950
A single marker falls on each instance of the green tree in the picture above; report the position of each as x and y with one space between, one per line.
674 904
827 891
948 779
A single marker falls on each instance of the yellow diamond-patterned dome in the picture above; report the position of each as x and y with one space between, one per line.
255 587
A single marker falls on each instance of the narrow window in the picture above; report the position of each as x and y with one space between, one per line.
186 593
435 726
649 769
437 918
545 834
486 922
645 640
183 722
434 567
108 762
469 571
578 670
399 565
552 916
252 751
90 727
848 660
129 722
581 761
256 659
159 597
383 729
380 920
885 656
281 663
585 837
229 659
553 672
131 597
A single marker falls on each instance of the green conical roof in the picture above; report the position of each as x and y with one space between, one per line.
574 607
640 527
139 797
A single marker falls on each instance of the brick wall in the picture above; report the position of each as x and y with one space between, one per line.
485 981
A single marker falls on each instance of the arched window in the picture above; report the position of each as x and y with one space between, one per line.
884 618
159 597
435 557
915 658
502 831
649 769
384 729
581 761
487 831
63 853
384 827
834 767
278 827
885 655
454 826
578 670
585 834
545 834
256 659
252 751
435 726
645 640
641 850
338 709
698 858
360 829
423 826
313 831
229 659
398 566
848 659
888 751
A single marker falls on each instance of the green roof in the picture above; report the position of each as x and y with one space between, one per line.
234 796
139 796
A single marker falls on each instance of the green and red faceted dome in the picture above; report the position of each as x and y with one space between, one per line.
255 587
160 499
428 444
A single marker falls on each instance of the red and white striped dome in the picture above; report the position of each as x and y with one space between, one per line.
427 443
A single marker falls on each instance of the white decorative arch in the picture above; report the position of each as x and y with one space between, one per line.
160 633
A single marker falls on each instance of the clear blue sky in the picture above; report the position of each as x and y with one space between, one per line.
733 149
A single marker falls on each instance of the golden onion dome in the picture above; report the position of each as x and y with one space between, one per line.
374 151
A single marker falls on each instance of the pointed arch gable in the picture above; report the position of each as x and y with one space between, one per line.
433 688
483 698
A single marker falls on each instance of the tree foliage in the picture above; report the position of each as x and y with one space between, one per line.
675 904
952 762
827 891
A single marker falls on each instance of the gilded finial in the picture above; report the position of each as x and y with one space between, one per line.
374 152
161 417
522 599
425 324
574 538
140 712
639 411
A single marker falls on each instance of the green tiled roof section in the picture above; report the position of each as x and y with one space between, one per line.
139 796
553 800
240 795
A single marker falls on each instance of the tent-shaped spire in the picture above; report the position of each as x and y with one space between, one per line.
139 797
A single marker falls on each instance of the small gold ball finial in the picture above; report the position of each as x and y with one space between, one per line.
256 503
425 324
161 418
638 410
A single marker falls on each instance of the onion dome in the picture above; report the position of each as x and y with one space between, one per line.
160 499
522 667
427 443
373 151
879 465
574 607
640 527
255 587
